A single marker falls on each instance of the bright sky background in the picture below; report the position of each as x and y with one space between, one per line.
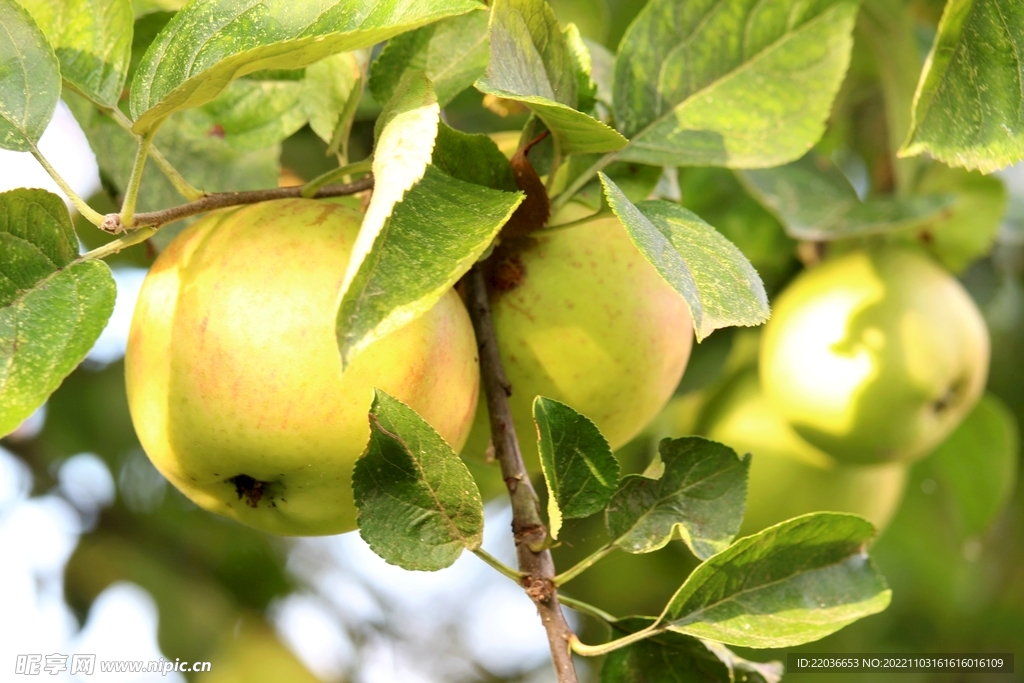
422 628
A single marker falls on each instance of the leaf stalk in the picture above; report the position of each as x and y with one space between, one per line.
310 189
117 245
90 214
585 650
183 187
497 564
131 192
582 566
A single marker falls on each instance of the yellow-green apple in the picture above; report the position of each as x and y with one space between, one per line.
788 476
235 382
875 356
583 318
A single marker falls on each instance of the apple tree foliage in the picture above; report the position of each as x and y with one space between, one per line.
185 103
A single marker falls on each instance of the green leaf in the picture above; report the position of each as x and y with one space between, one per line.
434 236
672 657
209 44
814 201
579 55
531 63
967 229
418 504
529 55
473 159
29 79
717 196
700 495
92 40
719 284
249 114
573 131
405 133
578 465
407 130
331 90
977 465
687 95
792 583
51 309
452 52
967 108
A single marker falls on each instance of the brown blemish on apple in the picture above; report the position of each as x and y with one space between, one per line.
249 489
506 270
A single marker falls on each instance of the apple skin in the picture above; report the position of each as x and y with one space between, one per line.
788 476
234 376
590 323
875 356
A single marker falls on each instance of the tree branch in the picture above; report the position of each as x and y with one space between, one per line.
218 200
527 525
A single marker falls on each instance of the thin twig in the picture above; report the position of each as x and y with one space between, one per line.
219 200
527 526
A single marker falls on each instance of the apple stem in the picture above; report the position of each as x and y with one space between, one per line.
528 528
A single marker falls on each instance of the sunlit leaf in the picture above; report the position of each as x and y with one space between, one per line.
209 44
432 238
29 79
249 114
51 309
531 63
579 468
719 284
814 201
792 583
418 505
967 109
92 40
730 82
700 496
330 93
472 158
452 52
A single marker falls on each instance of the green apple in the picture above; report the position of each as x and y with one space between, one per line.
875 356
788 476
234 377
583 318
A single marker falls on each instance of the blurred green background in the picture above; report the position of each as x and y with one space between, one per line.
84 517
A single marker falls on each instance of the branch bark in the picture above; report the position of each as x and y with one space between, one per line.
527 525
219 200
